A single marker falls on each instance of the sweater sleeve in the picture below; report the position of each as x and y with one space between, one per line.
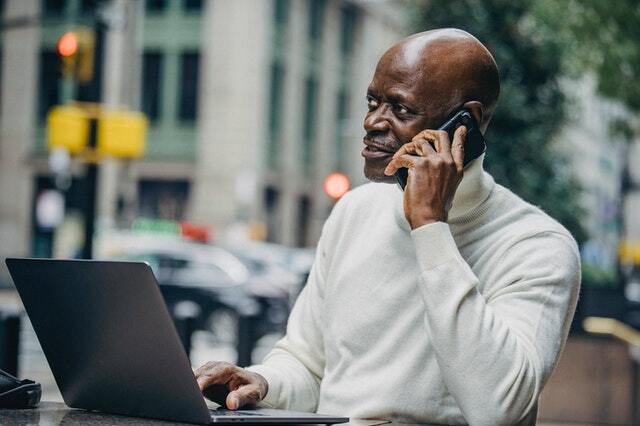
295 366
495 354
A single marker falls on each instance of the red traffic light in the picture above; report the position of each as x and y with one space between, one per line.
67 44
336 185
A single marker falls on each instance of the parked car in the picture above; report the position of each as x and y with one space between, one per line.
218 286
286 264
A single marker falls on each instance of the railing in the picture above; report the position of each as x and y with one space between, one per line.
612 327
621 331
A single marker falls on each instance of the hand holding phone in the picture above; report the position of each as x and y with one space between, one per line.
435 164
474 145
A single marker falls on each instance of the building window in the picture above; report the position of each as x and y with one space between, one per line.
341 128
88 7
53 7
309 120
348 24
275 114
316 21
152 84
155 6
190 62
163 199
192 5
280 18
281 12
49 83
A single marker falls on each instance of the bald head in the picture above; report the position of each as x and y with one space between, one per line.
449 67
419 83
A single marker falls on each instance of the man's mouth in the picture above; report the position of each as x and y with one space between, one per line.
376 151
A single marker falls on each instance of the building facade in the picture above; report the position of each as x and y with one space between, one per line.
286 111
597 160
251 104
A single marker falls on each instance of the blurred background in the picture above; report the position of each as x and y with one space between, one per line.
212 138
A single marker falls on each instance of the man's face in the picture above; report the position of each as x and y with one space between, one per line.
401 104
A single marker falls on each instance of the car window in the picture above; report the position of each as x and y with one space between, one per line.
173 262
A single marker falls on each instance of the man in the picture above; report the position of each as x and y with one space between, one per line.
446 303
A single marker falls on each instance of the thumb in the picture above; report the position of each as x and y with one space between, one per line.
244 395
233 400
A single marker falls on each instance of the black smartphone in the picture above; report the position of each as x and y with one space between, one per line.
474 144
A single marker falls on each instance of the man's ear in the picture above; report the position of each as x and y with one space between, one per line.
477 110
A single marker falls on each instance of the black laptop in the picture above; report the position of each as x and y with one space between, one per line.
112 346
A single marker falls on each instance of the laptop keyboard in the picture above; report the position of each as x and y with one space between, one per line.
231 413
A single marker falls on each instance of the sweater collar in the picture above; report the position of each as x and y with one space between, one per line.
475 187
473 190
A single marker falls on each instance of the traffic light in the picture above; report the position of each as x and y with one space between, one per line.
336 185
77 50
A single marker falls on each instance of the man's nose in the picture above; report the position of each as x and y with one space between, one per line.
377 120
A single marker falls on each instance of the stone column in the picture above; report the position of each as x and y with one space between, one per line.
17 117
293 116
325 148
232 127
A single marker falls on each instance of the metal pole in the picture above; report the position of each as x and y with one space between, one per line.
9 341
91 178
246 338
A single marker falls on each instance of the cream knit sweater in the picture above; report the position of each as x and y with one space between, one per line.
458 322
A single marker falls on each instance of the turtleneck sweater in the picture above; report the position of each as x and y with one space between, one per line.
450 323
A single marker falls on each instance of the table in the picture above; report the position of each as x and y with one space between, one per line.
56 413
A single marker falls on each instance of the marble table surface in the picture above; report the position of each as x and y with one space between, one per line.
56 413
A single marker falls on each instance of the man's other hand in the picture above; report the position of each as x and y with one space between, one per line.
434 174
230 385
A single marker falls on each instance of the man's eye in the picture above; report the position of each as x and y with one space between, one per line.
401 109
372 103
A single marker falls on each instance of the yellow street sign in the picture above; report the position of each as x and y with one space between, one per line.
629 252
122 134
119 133
68 128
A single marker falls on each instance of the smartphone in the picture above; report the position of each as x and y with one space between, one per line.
474 144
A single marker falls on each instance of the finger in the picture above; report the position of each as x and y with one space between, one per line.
210 374
406 160
244 395
424 147
233 401
418 146
441 140
214 373
457 148
200 370
427 135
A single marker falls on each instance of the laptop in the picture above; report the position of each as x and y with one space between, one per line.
112 346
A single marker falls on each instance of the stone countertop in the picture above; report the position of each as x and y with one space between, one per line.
56 413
